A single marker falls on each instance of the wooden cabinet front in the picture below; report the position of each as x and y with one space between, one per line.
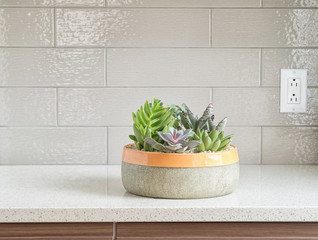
159 231
224 231
56 231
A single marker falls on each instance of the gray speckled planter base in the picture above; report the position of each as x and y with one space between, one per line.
164 182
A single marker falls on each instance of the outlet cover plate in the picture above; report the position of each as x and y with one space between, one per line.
301 77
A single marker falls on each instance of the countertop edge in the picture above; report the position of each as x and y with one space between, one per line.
255 214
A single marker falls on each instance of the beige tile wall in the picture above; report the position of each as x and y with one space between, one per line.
72 71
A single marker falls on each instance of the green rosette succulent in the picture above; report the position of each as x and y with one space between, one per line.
213 141
148 120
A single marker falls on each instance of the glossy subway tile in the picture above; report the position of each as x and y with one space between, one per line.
290 145
182 67
290 3
53 145
260 107
51 67
248 142
26 27
113 106
183 3
52 3
133 27
27 107
264 28
273 60
118 138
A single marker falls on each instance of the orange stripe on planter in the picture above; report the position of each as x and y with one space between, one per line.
186 160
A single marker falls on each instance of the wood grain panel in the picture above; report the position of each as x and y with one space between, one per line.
68 231
58 238
217 230
207 238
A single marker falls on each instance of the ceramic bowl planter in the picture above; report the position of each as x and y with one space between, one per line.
175 175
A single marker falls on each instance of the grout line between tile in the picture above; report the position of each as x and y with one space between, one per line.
147 87
160 47
54 27
106 146
210 29
57 106
261 146
260 67
145 8
105 67
212 95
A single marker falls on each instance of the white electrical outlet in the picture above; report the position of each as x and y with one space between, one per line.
293 90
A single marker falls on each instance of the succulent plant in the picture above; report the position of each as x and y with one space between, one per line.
149 119
176 141
214 140
189 121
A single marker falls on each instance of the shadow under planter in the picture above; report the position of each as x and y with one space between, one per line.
174 175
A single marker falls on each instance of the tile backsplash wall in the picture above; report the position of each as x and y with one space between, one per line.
72 71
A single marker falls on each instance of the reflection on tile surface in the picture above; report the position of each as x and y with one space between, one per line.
26 27
182 67
260 106
273 60
51 3
113 106
290 3
129 28
51 67
52 146
265 28
27 106
290 145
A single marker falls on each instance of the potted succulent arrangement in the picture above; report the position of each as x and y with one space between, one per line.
178 155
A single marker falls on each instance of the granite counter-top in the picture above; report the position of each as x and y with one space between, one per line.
95 194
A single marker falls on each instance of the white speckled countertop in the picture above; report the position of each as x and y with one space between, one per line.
95 194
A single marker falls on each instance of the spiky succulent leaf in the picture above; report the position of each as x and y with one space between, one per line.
225 142
207 143
207 114
221 125
216 145
185 120
190 116
201 147
221 135
133 137
214 135
228 136
225 147
148 119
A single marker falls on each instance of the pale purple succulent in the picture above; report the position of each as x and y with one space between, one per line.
175 137
175 142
